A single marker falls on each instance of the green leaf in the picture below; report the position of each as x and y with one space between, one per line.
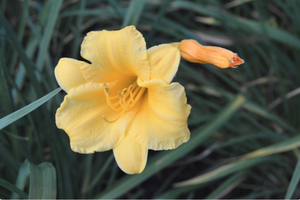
9 159
7 120
294 182
53 14
21 28
261 111
78 26
223 171
227 186
42 180
245 161
28 64
274 33
167 157
286 145
13 188
133 13
238 23
99 174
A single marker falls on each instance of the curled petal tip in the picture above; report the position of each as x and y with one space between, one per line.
235 61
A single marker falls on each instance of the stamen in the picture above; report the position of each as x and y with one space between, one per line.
125 100
130 92
106 88
107 91
138 96
120 99
114 120
108 99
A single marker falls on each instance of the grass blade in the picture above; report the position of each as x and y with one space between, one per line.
100 174
227 186
21 28
223 171
7 120
294 182
246 161
13 188
24 172
286 145
28 64
54 10
255 27
133 13
78 25
9 159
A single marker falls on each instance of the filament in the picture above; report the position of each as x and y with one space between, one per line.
124 100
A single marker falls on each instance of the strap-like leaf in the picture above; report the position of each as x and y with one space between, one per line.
7 120
42 180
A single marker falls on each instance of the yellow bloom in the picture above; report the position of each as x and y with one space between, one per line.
124 100
192 51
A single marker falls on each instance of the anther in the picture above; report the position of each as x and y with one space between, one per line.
124 91
120 99
107 91
130 93
106 88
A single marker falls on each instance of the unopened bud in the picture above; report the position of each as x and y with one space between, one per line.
192 51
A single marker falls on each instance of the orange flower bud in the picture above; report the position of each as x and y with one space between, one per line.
192 51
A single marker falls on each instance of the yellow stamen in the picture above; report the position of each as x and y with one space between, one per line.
120 99
108 99
114 120
126 100
130 92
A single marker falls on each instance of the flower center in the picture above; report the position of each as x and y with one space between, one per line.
124 100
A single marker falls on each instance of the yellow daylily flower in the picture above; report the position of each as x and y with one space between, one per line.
124 100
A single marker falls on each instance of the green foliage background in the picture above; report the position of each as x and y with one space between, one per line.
244 121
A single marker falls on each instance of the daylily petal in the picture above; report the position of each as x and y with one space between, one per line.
161 122
115 54
164 61
68 74
81 116
130 155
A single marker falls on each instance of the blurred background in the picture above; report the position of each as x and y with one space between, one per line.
244 121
